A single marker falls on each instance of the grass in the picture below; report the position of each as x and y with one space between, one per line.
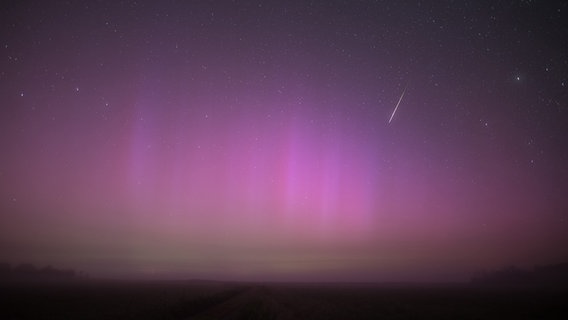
214 300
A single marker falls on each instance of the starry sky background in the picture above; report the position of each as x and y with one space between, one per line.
251 140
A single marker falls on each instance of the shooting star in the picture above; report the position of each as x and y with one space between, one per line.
397 104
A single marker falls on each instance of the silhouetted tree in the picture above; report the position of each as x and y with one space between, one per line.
25 269
5 270
552 275
5 267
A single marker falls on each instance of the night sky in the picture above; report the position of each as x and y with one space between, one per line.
244 140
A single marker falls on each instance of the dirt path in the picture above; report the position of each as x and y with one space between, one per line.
254 303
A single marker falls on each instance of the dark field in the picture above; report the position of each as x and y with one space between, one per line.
220 300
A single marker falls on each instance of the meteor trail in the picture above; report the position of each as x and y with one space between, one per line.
399 100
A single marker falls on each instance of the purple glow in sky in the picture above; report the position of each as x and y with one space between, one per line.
253 140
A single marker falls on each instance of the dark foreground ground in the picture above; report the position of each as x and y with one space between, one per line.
218 300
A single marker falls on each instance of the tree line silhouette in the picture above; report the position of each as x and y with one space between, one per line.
27 271
553 275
